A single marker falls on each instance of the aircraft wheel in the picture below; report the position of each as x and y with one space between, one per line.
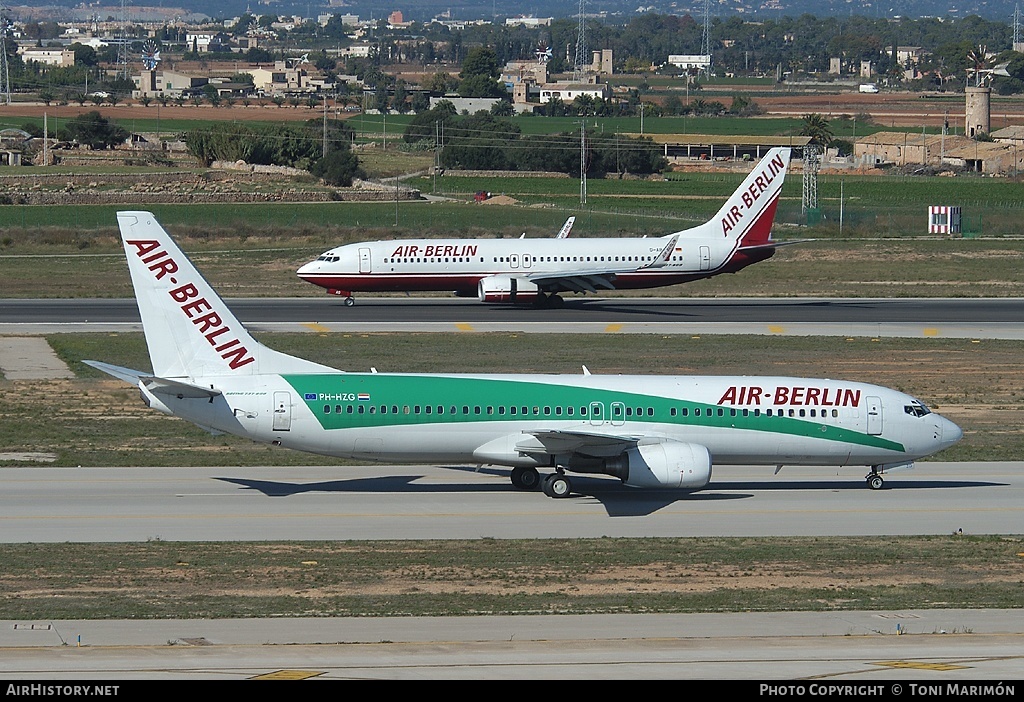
875 481
525 478
557 485
350 301
555 301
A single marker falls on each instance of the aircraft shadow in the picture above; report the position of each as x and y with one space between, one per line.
617 500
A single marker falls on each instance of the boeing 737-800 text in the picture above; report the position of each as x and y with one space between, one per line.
537 270
649 431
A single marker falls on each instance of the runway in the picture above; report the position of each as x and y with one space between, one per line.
911 317
55 505
820 650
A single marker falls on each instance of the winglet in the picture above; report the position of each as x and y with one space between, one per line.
664 255
566 228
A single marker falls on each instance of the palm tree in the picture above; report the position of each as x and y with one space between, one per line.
817 128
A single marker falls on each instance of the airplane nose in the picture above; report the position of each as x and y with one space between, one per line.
307 268
950 433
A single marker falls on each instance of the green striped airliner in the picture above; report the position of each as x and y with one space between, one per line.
647 431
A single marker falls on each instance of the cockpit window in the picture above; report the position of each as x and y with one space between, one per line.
916 409
329 258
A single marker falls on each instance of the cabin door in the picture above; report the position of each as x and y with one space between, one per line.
282 411
705 258
874 410
364 260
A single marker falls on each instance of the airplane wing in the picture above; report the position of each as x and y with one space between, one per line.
160 386
566 228
596 278
557 441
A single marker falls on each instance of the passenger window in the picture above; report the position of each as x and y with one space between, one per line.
327 409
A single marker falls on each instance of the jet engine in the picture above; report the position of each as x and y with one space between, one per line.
506 288
669 464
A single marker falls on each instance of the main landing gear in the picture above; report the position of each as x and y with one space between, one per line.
874 479
555 485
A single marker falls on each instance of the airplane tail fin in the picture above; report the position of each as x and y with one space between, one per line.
189 330
748 214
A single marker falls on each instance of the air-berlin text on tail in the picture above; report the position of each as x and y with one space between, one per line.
795 396
210 324
762 183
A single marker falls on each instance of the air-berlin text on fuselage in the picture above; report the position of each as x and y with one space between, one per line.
210 325
762 183
438 250
796 396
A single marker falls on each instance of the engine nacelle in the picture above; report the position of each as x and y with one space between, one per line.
669 464
506 288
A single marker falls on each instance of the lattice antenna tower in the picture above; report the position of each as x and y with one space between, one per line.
122 47
705 39
5 74
1016 28
812 162
579 68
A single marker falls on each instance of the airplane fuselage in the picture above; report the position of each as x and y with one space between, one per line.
492 418
458 265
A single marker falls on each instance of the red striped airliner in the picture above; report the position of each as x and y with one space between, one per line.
537 270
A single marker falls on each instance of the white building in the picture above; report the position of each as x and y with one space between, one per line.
567 92
47 56
700 62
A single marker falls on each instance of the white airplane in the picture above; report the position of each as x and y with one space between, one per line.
537 270
648 431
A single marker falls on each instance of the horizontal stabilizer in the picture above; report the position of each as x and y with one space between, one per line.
773 244
160 386
126 374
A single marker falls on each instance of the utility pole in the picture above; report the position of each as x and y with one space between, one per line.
5 75
583 163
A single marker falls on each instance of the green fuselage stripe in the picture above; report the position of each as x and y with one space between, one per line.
350 397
